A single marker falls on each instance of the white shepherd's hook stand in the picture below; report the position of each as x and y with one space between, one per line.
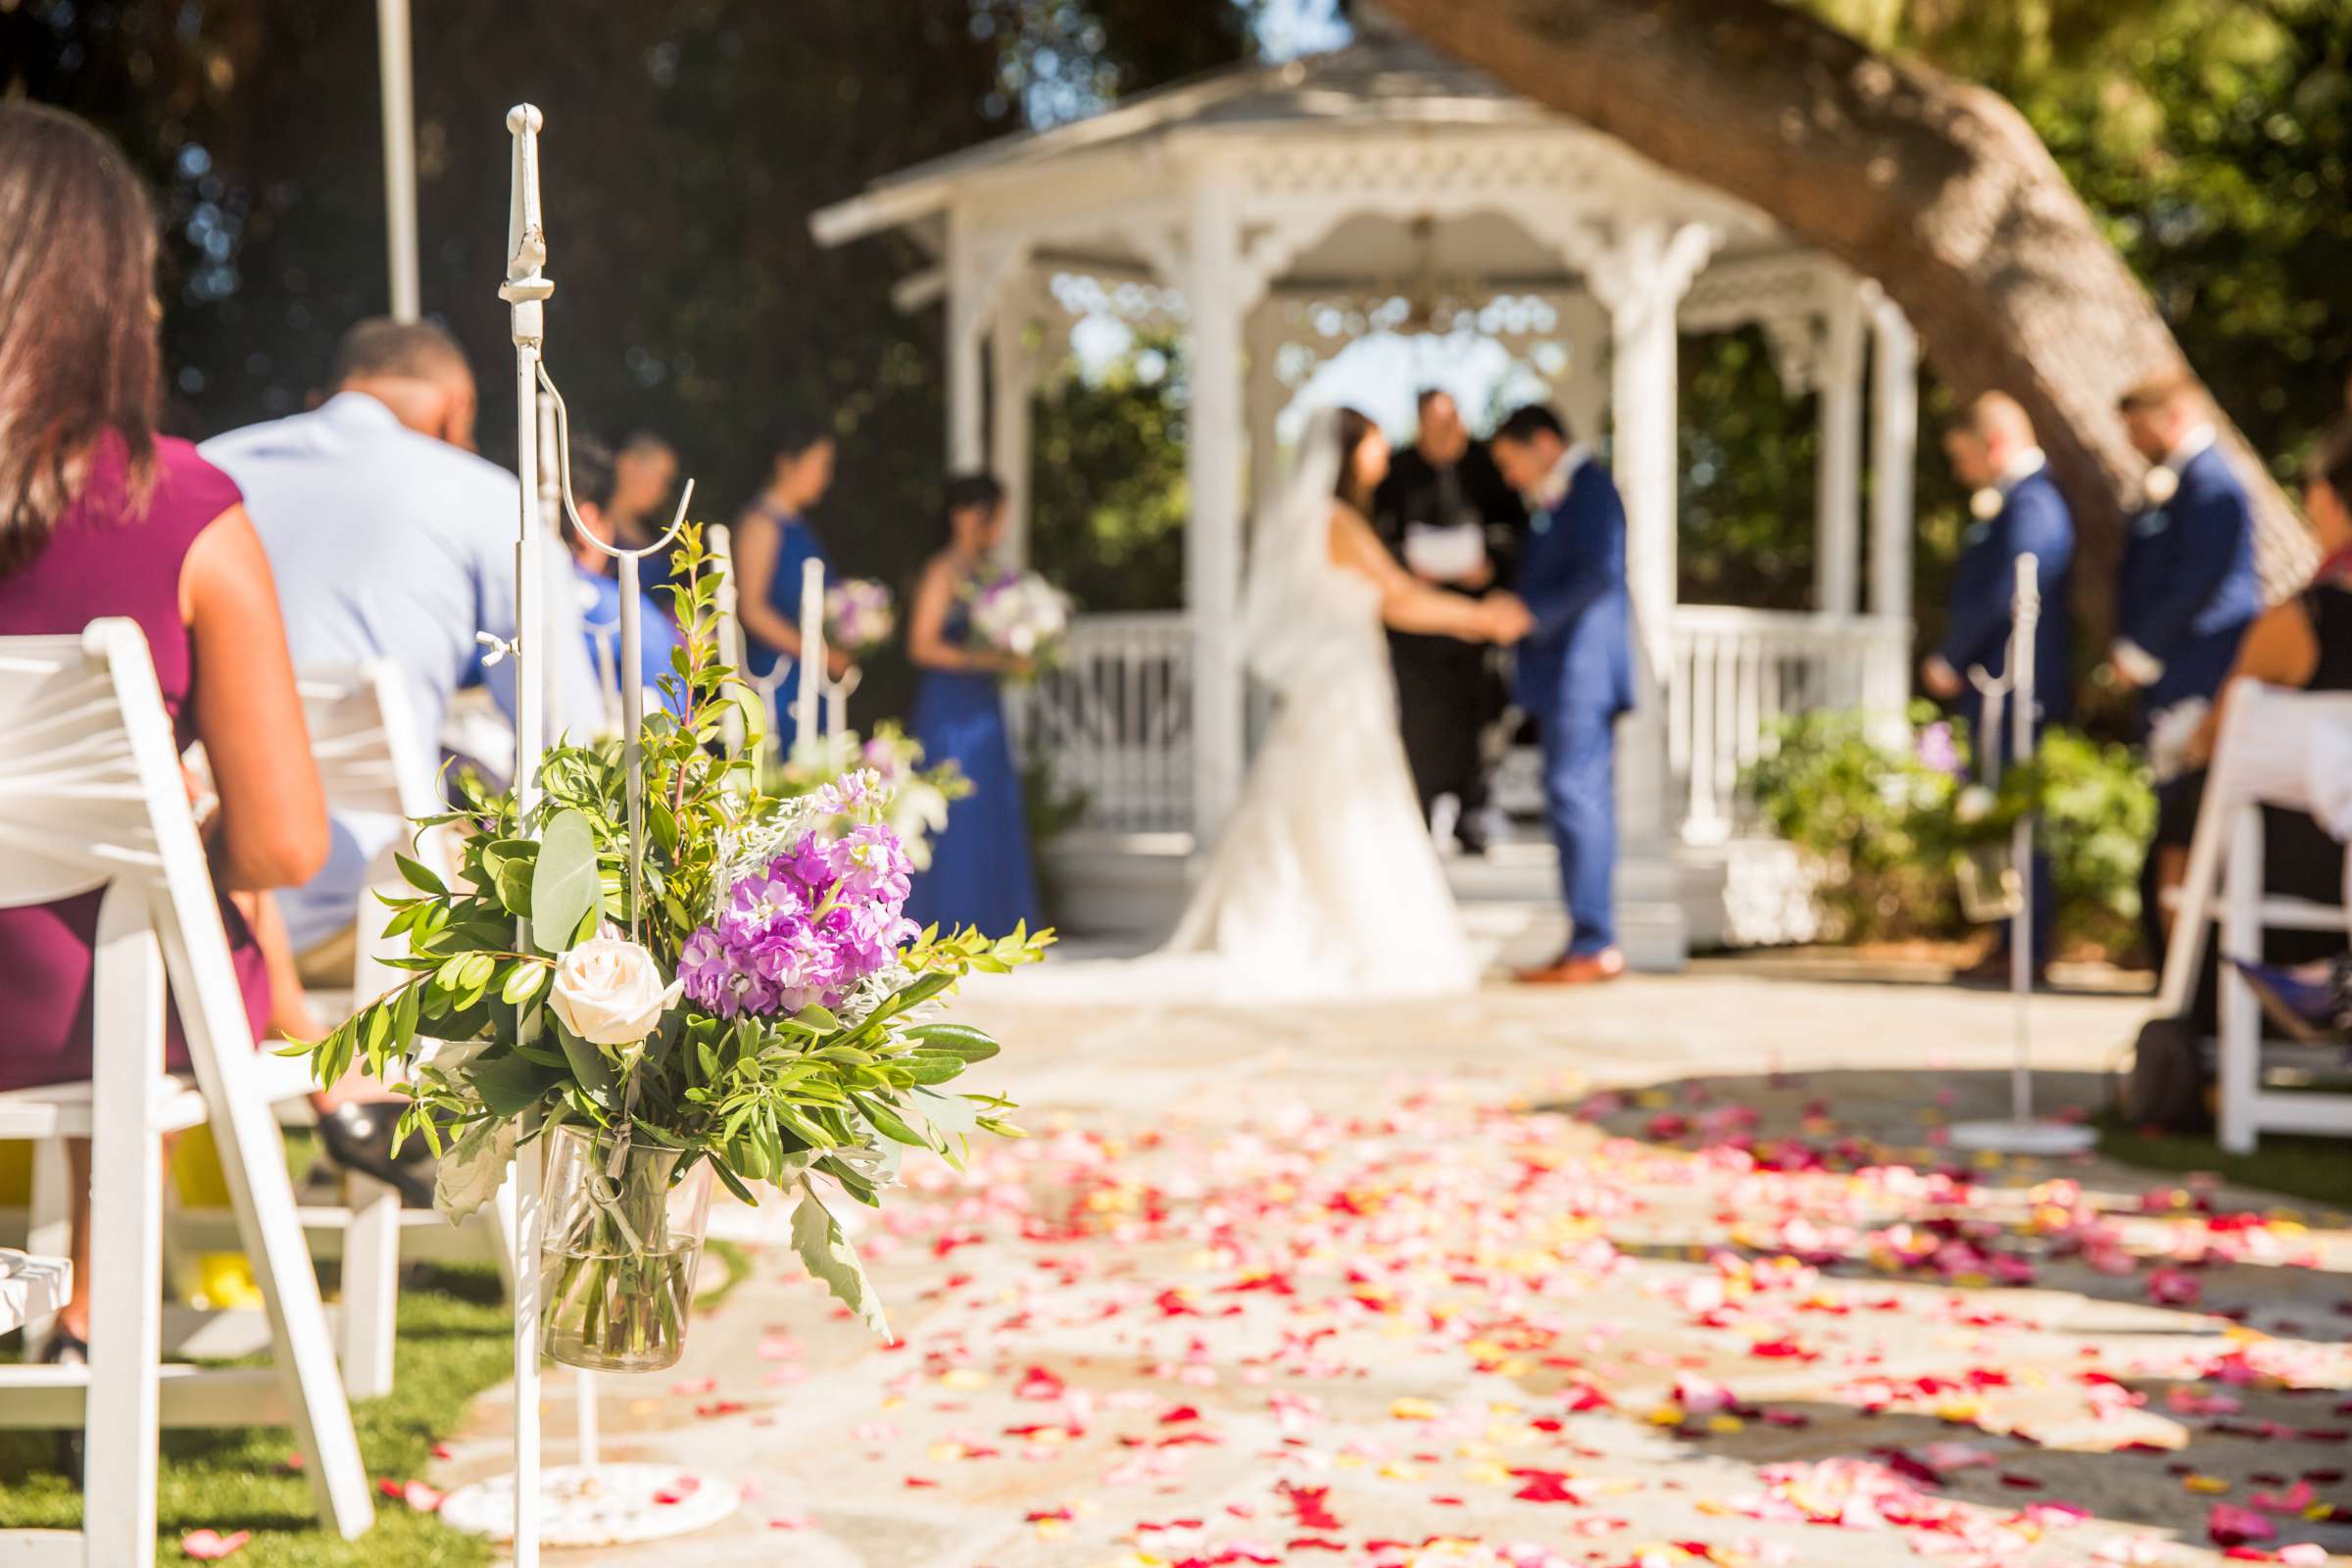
589 1503
2021 1134
821 706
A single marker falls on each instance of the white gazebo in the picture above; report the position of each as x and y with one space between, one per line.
1271 213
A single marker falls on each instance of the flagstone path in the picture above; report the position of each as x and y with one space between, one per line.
1672 1272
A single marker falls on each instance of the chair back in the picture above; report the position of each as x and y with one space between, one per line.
363 739
2274 747
90 786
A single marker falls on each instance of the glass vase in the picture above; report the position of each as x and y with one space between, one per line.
623 1241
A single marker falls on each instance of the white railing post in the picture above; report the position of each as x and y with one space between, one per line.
1736 673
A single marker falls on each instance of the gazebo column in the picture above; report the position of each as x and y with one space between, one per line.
1012 374
1583 389
1641 280
1837 481
1212 537
1262 401
967 326
1894 462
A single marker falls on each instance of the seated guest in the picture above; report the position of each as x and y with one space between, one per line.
100 516
773 544
594 480
392 540
644 471
2303 642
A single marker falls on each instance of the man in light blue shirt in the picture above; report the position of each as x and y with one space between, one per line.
391 539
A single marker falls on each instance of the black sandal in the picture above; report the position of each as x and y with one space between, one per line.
358 1137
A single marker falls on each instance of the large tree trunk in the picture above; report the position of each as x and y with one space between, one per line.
1937 188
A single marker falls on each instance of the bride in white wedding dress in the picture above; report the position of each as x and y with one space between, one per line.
1323 884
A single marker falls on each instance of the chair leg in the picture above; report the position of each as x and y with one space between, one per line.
253 1158
2238 1073
48 1218
121 1415
370 1285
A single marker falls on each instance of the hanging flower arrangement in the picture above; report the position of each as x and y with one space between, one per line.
738 997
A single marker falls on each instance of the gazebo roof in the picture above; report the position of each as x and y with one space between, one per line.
1383 79
1355 169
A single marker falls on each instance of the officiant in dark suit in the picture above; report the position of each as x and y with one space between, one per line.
1446 512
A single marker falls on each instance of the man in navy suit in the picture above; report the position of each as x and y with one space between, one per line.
2187 593
2018 512
1576 671
2189 589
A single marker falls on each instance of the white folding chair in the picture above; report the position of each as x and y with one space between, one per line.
91 798
371 760
33 1289
2271 750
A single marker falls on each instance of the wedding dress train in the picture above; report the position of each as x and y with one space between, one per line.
1323 884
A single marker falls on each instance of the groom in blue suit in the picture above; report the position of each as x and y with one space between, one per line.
1576 671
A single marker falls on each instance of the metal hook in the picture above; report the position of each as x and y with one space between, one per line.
564 485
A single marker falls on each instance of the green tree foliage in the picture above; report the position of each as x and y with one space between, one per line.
686 144
2214 139
1109 503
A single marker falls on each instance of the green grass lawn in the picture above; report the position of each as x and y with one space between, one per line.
2316 1169
453 1343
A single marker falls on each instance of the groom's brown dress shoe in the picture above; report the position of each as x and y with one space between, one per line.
1576 969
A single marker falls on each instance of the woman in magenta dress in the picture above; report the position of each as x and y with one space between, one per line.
99 515
980 872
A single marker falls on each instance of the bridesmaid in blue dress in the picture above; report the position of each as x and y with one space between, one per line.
980 868
773 543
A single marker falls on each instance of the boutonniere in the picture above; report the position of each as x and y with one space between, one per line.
1986 504
2159 485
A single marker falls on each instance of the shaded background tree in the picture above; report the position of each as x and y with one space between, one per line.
689 139
687 143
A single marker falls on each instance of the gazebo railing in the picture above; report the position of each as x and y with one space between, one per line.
1738 673
1115 720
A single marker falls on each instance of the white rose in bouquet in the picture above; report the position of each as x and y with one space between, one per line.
609 990
1022 614
1973 804
860 615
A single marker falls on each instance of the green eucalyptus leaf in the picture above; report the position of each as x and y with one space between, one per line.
956 1040
564 886
827 1255
511 1085
523 981
588 1063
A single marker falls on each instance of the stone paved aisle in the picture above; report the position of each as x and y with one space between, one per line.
1669 1273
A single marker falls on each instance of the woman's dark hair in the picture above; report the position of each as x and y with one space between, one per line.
2331 463
1355 428
81 354
591 480
967 492
796 436
1524 424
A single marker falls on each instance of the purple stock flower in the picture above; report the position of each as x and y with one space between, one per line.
1937 751
825 914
